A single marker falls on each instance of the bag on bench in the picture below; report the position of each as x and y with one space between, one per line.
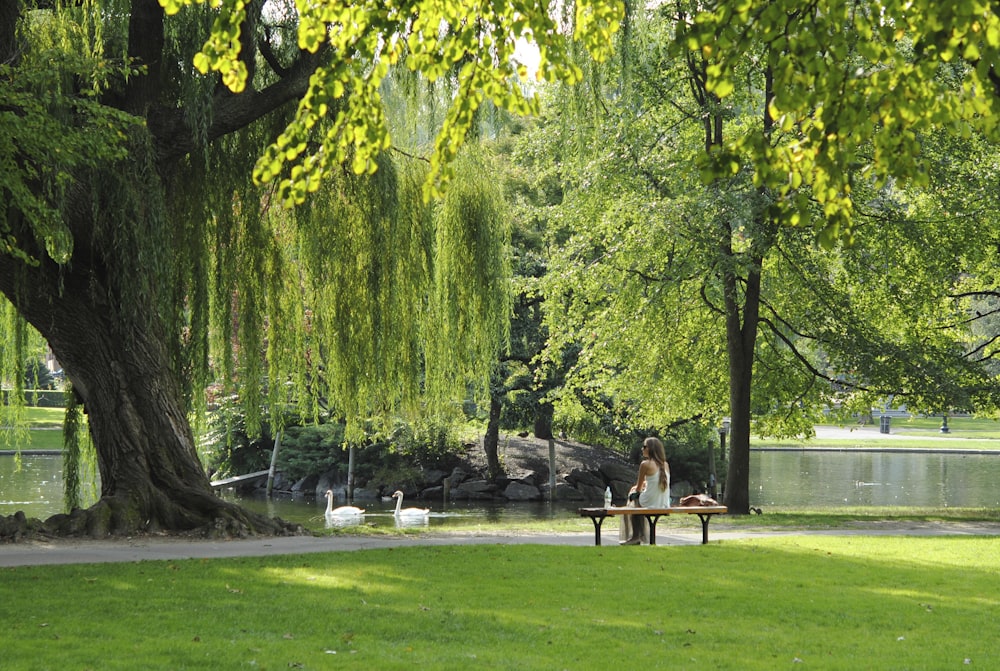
697 500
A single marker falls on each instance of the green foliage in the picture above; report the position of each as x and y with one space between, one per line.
855 83
20 353
341 113
470 311
37 375
53 124
388 456
312 449
78 453
645 253
229 448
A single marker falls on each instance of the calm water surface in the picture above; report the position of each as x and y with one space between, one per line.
778 479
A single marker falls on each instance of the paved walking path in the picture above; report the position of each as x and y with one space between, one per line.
33 553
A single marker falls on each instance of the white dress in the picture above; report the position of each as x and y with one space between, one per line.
652 496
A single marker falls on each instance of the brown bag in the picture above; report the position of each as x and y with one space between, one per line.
697 500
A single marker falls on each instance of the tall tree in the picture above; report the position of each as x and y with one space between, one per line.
853 89
137 244
695 295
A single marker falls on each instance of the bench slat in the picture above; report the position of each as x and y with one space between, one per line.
704 513
673 510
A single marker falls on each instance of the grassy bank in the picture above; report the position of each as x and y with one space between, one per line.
44 430
801 519
965 433
827 602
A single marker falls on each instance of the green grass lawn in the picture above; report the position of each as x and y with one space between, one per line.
43 432
959 427
967 433
768 603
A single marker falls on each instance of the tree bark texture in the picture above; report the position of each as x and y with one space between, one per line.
117 354
151 477
741 340
491 440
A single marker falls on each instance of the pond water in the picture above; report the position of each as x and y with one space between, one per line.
830 478
795 478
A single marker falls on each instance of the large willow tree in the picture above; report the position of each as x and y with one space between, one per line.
136 241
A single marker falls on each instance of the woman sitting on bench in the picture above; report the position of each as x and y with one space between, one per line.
652 490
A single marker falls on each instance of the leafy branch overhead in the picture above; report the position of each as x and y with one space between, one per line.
340 119
846 74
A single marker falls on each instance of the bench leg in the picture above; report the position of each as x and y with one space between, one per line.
652 519
705 518
598 520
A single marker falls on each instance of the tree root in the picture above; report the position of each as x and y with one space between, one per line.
114 518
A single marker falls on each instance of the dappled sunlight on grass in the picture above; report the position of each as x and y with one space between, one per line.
362 581
948 551
747 604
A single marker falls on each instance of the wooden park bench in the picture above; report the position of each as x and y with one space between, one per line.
652 515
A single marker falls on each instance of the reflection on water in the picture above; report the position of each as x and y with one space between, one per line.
310 513
35 486
784 479
343 521
835 478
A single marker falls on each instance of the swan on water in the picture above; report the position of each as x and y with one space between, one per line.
407 512
342 511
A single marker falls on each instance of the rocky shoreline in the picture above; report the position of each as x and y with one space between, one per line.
583 472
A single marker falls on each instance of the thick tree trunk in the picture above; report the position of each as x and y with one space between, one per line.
151 477
491 441
117 357
741 340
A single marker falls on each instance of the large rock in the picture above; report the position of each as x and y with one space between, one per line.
474 489
457 477
328 481
434 494
526 475
592 494
567 492
520 491
615 471
306 484
580 478
364 494
434 477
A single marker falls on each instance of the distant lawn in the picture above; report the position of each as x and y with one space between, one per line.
965 433
45 418
44 430
959 427
768 603
44 439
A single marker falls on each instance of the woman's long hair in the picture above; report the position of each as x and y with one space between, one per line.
658 455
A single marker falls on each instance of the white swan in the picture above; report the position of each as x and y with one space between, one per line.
342 511
407 512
